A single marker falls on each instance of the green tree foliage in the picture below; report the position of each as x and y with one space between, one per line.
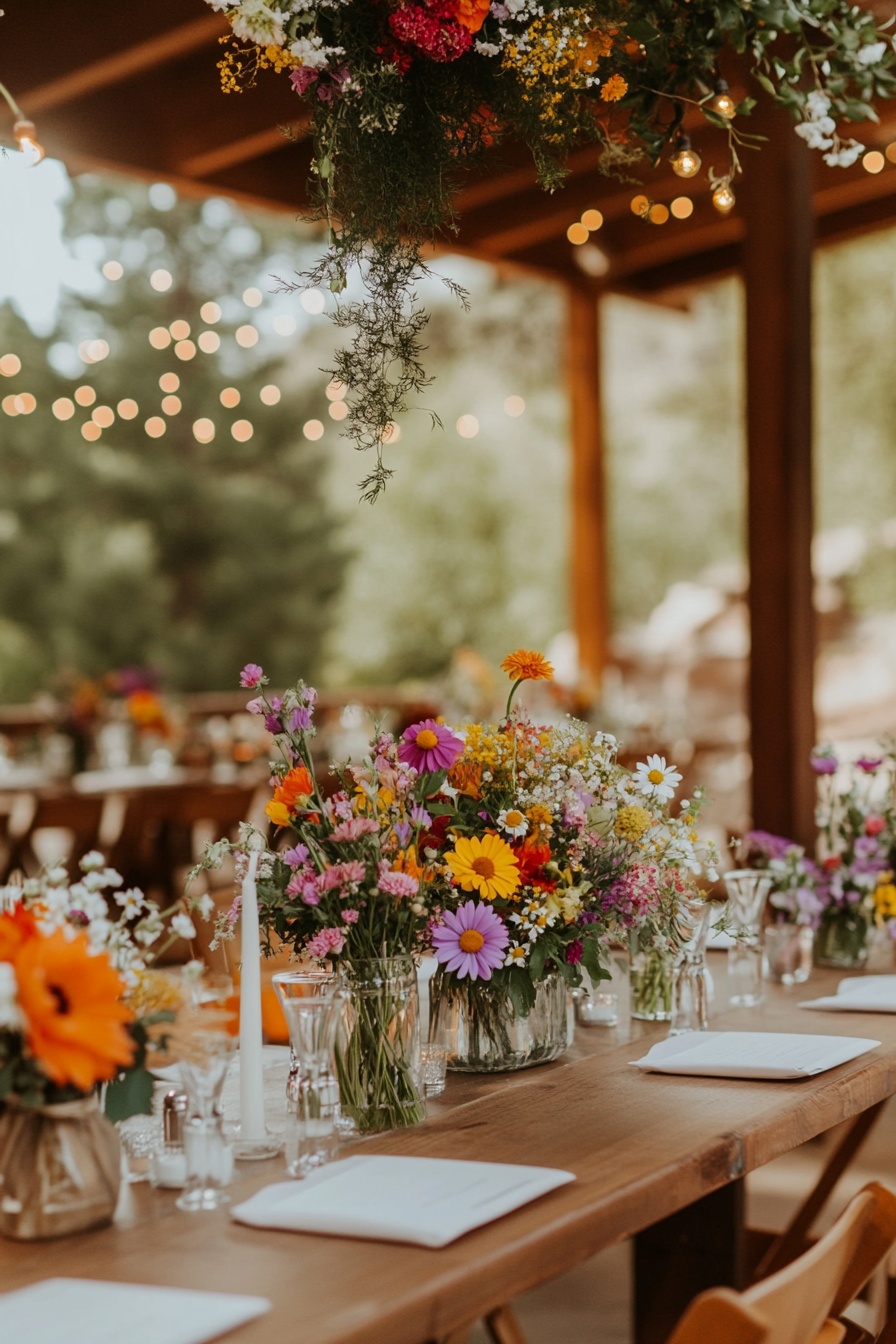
192 557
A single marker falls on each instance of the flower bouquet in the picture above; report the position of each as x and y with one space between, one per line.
70 978
548 847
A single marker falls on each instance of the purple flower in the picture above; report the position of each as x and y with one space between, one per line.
869 763
574 952
471 941
824 762
273 724
302 78
251 676
429 746
299 721
764 845
295 857
402 833
420 816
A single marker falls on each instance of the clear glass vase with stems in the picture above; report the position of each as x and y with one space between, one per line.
484 1032
842 937
691 983
652 974
208 1156
748 890
378 1044
312 1003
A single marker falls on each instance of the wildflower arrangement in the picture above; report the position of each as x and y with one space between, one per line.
78 1000
795 877
403 96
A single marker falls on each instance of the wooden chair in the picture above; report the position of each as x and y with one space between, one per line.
80 816
800 1303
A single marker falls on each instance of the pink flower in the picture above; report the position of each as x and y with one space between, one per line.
428 747
471 941
350 916
396 884
874 825
256 706
354 829
823 763
869 763
324 943
341 875
251 676
302 78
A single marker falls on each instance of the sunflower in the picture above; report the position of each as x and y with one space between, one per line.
486 865
72 1005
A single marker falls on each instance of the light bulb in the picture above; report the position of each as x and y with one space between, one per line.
723 197
25 133
686 162
722 103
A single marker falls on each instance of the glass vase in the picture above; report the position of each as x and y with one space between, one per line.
209 1158
485 1033
841 940
691 981
748 890
652 975
60 1169
378 1045
312 1004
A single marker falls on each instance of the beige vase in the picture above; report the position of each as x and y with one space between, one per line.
60 1169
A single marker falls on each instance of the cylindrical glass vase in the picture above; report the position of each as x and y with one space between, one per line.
652 976
60 1169
378 1045
484 1031
841 940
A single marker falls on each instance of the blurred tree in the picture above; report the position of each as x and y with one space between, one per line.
148 515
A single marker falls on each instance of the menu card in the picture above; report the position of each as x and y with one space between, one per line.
425 1200
860 994
774 1055
86 1311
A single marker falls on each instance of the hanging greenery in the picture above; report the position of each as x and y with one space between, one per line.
404 95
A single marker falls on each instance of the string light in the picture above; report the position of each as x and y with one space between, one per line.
682 207
9 405
658 214
723 197
210 313
85 395
113 270
467 426
313 429
185 349
161 280
336 391
246 336
313 301
514 406
577 234
160 338
721 101
252 297
169 382
24 131
686 162
270 394
180 329
63 408
873 161
593 220
128 408
170 405
209 342
104 416
25 403
284 325
640 206
203 430
242 430
91 431
230 397
338 410
155 426
392 433
10 365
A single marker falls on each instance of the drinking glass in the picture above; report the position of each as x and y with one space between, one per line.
691 982
748 890
312 1002
787 952
209 1158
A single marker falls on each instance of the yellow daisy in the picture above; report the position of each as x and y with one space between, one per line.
487 865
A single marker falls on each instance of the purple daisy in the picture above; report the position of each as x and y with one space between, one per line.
429 746
470 941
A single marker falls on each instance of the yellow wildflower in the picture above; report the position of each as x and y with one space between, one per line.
632 822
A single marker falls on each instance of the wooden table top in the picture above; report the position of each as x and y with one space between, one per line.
641 1145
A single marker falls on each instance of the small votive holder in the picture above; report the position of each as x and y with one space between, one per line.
598 1009
141 1136
433 1068
787 953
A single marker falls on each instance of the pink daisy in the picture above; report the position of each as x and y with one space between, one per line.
429 746
470 941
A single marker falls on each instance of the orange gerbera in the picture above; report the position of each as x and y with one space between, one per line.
471 13
16 928
524 665
294 789
71 1001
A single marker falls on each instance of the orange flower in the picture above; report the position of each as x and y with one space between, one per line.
613 89
466 777
523 665
72 1005
294 789
147 711
16 929
471 13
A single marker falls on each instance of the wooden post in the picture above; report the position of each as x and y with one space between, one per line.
776 198
588 552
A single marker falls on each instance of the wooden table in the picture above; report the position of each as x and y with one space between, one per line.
642 1146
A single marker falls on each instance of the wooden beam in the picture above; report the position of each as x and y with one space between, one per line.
776 194
170 45
225 156
588 558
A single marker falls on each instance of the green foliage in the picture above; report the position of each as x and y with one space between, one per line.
191 557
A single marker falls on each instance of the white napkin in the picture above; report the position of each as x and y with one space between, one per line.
774 1055
425 1200
85 1311
860 994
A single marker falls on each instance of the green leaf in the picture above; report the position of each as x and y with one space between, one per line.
129 1094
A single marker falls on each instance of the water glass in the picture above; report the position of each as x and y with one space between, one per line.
209 1158
691 981
787 952
748 890
312 1004
433 1068
141 1136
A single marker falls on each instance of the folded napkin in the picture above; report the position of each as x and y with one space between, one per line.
85 1311
774 1055
425 1200
860 994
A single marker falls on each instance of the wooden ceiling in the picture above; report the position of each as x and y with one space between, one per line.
134 87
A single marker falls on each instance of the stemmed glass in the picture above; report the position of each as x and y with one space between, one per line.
312 1002
748 890
209 1159
691 982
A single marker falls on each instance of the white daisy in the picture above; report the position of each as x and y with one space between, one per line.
513 821
657 779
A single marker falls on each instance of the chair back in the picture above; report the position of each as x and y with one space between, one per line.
717 1316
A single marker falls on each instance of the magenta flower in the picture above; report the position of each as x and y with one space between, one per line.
824 763
251 676
324 943
429 746
869 763
470 941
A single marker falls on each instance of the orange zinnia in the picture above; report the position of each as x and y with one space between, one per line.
72 1004
295 787
471 13
524 665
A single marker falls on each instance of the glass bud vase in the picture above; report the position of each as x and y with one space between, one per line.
748 890
60 1169
378 1045
842 937
312 1004
652 975
485 1033
691 982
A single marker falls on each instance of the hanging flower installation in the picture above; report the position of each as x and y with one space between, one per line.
403 95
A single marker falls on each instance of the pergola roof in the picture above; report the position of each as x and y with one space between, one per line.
134 87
